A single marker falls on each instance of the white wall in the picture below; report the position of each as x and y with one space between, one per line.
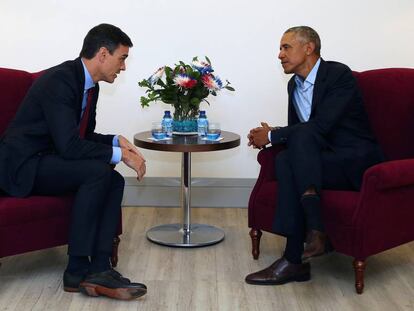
241 38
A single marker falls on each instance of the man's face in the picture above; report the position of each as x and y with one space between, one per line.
111 65
292 53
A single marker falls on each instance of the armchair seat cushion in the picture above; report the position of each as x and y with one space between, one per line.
21 211
338 206
37 222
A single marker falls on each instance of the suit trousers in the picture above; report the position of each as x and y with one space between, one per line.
307 161
96 211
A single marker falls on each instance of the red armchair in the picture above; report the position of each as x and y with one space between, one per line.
379 216
34 222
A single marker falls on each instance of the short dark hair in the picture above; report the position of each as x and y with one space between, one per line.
103 35
307 34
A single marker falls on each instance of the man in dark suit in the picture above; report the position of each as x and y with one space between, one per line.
50 148
328 144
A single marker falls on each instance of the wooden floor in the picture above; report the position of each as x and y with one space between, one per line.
210 278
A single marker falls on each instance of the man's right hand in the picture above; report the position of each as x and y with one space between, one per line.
134 161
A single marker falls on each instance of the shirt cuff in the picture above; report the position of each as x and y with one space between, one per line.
115 141
269 136
116 155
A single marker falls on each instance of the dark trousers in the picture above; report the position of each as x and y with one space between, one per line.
306 162
96 210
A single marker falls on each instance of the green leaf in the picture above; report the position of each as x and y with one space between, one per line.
144 83
208 60
195 101
144 102
229 88
161 83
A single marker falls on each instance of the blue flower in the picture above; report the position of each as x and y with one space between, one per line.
201 66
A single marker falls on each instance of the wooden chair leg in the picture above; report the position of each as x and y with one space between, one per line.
359 268
255 234
114 257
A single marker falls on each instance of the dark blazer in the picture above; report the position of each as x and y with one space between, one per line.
48 122
339 116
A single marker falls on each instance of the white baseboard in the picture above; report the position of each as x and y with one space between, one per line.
205 192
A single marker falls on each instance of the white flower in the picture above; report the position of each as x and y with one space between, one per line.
156 76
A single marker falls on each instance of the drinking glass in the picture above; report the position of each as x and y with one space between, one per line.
213 130
157 130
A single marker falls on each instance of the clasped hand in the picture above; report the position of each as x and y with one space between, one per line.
132 157
258 137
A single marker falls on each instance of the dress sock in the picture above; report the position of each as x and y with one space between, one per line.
78 264
294 249
100 262
312 208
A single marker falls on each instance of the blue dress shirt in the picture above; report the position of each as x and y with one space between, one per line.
303 93
116 150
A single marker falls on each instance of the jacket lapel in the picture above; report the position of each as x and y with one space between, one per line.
292 116
80 78
319 86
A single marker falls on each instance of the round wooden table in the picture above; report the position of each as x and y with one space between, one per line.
186 234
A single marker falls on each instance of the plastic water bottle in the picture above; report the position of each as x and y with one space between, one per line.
202 124
167 123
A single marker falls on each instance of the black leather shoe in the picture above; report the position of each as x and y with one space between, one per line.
280 272
71 281
112 284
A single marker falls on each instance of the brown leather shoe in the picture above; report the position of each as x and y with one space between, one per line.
280 272
315 244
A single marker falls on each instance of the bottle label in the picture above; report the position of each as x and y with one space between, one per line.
167 126
202 125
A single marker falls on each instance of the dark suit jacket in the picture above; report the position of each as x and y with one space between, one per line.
48 122
338 115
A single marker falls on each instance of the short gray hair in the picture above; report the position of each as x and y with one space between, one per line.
307 34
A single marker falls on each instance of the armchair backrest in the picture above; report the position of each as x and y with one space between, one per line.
14 85
389 101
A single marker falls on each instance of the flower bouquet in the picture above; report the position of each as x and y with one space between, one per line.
184 87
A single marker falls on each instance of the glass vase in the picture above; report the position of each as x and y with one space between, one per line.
185 126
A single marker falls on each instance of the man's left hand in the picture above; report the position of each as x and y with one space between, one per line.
125 143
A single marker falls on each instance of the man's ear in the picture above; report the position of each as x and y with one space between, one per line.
309 48
102 54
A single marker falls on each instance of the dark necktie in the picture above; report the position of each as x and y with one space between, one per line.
85 117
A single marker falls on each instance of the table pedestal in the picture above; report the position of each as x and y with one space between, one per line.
185 234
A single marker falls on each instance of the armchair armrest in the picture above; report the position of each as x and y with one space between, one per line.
385 207
266 158
391 174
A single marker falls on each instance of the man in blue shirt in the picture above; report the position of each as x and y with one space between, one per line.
51 148
328 144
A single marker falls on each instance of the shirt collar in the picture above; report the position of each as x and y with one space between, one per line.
310 79
88 79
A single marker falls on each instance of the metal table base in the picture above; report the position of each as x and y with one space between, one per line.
185 234
173 235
